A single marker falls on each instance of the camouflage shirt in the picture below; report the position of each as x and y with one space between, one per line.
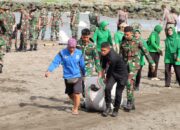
91 57
44 17
130 51
9 21
25 21
76 14
56 18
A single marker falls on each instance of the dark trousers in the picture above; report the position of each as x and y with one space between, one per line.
155 56
138 77
168 73
119 89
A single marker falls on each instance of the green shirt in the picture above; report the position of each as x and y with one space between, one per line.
118 36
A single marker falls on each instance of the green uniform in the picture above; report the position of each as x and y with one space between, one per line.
172 49
9 22
75 15
101 35
24 30
172 57
91 57
93 19
44 21
130 51
118 36
56 18
2 44
154 40
34 22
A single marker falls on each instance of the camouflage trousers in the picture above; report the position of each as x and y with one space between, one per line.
55 29
33 39
133 68
1 54
74 31
9 42
43 31
2 48
23 39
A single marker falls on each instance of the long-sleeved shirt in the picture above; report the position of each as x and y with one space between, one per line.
116 67
73 65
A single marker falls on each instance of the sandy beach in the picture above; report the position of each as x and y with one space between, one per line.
29 101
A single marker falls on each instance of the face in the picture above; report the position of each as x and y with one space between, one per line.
85 38
137 35
128 35
170 31
105 51
71 49
106 27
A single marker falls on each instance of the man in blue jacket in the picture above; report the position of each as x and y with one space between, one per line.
73 64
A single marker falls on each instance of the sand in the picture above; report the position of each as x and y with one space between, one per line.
29 101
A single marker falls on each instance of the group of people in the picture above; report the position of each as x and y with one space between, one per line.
118 62
122 66
34 20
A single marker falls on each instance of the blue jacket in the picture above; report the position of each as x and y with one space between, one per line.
73 65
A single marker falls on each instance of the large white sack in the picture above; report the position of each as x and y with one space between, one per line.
94 100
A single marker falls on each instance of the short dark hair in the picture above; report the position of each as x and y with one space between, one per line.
85 32
128 29
105 45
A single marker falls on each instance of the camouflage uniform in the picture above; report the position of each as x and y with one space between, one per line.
130 51
91 57
75 14
24 30
56 18
93 19
9 22
3 41
34 23
44 21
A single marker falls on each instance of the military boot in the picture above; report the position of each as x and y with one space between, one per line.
31 48
115 112
1 66
35 47
107 111
130 106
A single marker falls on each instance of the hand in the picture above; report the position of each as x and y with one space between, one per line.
47 74
100 75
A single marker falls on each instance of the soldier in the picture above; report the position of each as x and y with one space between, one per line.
34 27
90 54
130 49
9 22
74 20
44 21
2 39
94 19
55 23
